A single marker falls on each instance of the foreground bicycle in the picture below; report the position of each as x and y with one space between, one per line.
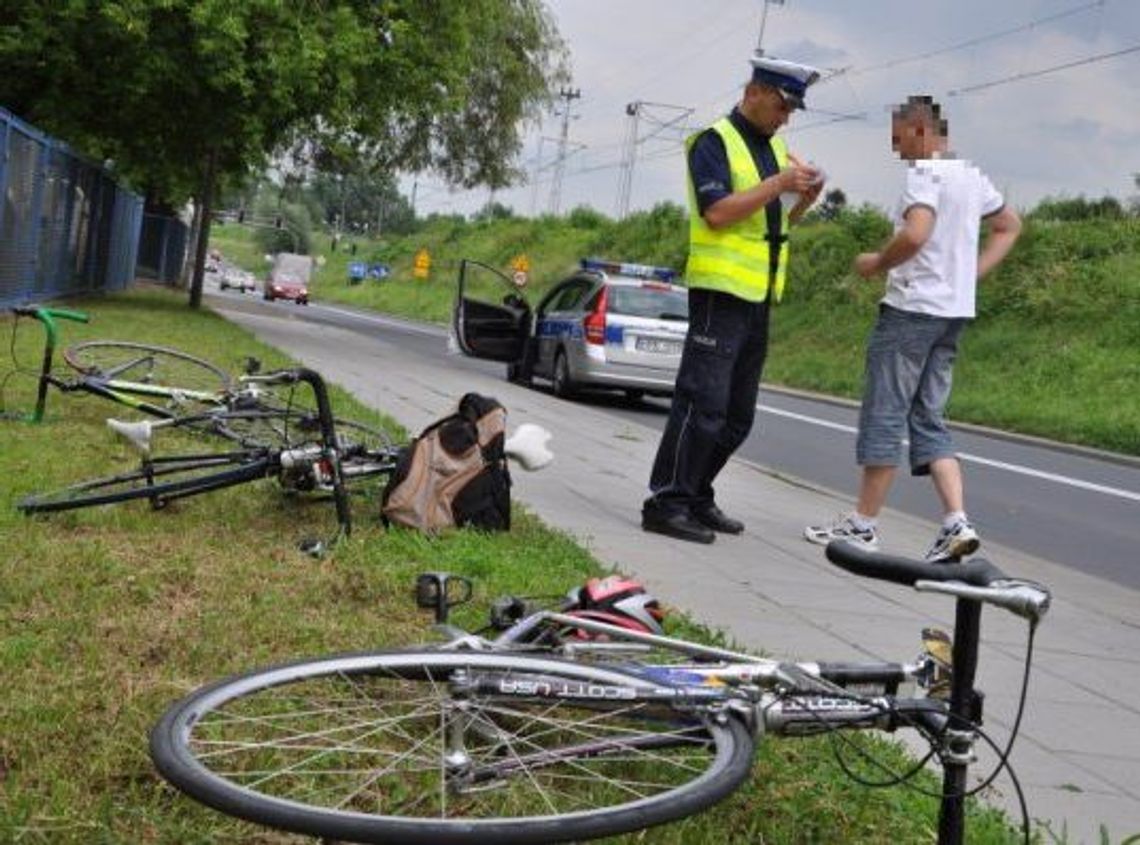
494 740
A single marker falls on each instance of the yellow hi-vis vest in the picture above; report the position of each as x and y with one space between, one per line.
737 258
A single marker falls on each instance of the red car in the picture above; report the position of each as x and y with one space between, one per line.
287 286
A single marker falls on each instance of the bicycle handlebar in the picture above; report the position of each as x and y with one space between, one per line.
41 313
978 579
907 571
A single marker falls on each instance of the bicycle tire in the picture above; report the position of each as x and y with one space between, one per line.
154 366
284 427
365 452
299 727
163 481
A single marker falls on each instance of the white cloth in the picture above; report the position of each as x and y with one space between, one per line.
942 278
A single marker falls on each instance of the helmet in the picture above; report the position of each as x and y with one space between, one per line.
616 600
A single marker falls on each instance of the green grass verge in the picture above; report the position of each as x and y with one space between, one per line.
108 615
1055 351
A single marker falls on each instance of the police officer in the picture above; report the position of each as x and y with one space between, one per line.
745 190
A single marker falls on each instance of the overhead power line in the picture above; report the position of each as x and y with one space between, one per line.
1017 77
972 42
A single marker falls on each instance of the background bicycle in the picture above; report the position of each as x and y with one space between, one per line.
167 383
486 740
314 456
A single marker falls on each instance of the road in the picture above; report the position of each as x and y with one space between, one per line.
1078 756
1073 507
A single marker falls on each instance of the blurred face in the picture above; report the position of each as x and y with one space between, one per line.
764 107
914 138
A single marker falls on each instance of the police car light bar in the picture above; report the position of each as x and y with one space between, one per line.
637 271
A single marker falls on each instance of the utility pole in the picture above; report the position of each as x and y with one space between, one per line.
567 94
534 176
763 21
651 114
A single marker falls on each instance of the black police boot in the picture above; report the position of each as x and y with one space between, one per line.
678 524
716 519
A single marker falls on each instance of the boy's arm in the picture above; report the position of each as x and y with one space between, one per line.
918 224
1005 227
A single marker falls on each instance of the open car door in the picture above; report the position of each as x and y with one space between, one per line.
482 329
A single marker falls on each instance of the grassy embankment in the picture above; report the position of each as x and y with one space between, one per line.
107 615
1055 350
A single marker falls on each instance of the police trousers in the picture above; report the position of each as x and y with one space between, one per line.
714 400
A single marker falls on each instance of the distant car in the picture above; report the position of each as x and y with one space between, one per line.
285 286
238 279
609 326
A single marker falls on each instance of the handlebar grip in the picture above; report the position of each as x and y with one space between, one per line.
906 571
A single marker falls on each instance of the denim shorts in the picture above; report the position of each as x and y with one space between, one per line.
910 360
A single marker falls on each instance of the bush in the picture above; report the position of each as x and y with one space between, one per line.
1078 208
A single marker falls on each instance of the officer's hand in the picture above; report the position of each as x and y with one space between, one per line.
800 179
867 264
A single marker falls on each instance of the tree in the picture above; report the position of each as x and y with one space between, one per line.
187 95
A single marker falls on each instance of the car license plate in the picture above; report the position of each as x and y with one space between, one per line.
658 346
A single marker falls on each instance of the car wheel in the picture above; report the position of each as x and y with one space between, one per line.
635 395
564 386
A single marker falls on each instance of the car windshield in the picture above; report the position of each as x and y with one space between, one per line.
659 303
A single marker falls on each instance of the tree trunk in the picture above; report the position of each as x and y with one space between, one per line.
206 201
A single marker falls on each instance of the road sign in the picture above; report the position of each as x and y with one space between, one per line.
520 278
521 264
421 266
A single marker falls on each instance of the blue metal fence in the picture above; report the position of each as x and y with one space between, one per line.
162 248
66 226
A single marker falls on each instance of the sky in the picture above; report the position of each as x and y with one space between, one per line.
1035 131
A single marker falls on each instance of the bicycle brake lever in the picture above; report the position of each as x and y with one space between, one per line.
1025 598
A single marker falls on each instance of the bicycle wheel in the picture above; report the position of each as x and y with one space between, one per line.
161 480
155 367
433 746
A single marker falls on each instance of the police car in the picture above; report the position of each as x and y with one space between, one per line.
609 325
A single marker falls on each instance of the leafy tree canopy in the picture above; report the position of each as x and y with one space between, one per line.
182 91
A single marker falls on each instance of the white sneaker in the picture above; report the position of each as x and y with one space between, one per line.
954 543
842 528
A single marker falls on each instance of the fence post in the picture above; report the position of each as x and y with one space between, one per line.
5 135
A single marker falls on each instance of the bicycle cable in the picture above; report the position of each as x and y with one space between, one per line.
1003 755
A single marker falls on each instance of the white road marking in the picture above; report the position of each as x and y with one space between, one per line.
977 459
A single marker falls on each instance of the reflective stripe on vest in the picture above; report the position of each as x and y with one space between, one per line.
736 259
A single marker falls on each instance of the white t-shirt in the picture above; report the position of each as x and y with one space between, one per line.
941 279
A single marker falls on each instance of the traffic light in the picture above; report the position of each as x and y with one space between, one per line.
277 222
241 215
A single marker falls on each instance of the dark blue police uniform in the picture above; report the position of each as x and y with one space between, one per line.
714 401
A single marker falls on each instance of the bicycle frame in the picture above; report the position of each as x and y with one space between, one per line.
757 688
120 391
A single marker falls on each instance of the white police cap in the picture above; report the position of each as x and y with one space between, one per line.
791 79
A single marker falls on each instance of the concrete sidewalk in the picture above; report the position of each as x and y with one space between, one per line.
1078 756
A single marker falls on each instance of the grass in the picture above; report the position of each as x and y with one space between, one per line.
1053 352
108 615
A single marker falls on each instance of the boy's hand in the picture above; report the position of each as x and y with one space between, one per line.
867 264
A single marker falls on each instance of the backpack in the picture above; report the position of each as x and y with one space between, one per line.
455 473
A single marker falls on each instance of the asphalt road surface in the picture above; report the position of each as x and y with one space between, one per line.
1073 507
